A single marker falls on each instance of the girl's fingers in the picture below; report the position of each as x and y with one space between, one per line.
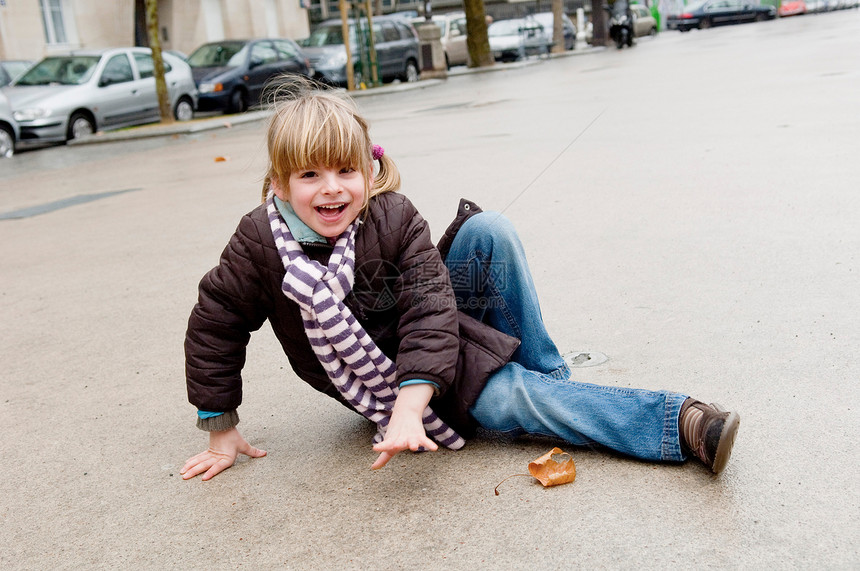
197 468
193 461
382 460
249 450
217 468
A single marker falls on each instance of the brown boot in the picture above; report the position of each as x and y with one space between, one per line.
708 431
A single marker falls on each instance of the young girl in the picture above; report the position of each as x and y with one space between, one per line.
428 343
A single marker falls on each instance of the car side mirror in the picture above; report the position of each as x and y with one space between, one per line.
256 62
455 32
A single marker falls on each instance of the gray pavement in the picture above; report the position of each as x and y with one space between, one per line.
689 208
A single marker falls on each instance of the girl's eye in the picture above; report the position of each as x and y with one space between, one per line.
346 170
308 174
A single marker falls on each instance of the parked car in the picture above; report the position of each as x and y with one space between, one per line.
568 28
12 69
231 75
453 36
8 129
644 23
514 39
397 50
792 8
69 96
707 13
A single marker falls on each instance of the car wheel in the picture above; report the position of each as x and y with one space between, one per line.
238 104
704 24
7 142
80 125
760 17
184 110
410 75
653 31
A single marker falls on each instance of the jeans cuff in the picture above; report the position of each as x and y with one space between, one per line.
672 450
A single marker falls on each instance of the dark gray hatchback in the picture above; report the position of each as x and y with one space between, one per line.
397 50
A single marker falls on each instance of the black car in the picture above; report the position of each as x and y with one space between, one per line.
231 74
709 13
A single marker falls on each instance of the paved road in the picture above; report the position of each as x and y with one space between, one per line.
689 208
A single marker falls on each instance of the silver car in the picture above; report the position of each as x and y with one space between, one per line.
453 36
8 129
66 97
512 40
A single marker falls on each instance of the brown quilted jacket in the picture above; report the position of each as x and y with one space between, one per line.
402 297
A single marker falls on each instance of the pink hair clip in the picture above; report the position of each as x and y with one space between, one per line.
377 152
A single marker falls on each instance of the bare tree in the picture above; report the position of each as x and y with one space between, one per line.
476 34
598 23
557 26
158 61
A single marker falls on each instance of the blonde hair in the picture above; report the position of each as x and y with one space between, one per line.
316 127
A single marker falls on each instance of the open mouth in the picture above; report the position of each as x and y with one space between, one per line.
331 210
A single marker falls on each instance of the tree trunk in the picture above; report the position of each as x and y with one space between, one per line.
598 23
476 34
557 27
157 61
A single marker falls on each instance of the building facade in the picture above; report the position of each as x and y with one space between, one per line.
32 29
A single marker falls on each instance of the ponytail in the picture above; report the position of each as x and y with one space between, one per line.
388 177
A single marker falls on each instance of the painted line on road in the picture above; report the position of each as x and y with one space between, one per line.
31 211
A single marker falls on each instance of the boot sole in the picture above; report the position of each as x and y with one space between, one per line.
727 439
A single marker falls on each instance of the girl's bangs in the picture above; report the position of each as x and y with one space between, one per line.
322 139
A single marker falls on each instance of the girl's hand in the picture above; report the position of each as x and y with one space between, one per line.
406 429
224 447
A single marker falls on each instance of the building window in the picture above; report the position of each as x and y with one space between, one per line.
55 24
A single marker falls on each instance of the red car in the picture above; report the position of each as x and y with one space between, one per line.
792 8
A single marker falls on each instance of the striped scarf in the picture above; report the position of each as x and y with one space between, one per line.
356 366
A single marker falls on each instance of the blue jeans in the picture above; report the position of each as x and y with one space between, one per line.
533 394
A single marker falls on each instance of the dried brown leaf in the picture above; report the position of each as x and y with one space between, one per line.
553 468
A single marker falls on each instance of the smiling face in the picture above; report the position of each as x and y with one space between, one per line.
320 160
326 199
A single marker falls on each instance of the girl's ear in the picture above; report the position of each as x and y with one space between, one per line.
279 191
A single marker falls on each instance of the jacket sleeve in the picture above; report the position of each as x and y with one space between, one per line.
428 326
231 304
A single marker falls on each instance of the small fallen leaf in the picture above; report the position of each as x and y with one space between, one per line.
220 159
553 468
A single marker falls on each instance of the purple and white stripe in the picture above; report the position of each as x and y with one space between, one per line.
356 366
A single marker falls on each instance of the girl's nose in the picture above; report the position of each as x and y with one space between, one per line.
331 183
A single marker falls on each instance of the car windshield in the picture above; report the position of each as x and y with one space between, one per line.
69 70
229 54
15 68
544 19
505 27
694 6
329 36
